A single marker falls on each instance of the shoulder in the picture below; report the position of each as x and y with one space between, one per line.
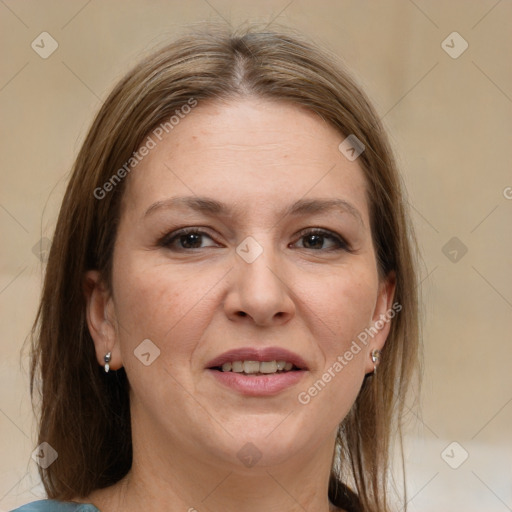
56 506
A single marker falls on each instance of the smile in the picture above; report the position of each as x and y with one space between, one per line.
257 367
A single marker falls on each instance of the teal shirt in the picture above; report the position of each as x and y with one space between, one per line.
56 506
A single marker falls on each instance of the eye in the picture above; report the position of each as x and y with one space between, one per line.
315 238
193 238
185 239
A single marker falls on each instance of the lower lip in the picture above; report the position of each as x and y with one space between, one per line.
262 385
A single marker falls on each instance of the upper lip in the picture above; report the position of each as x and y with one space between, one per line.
258 354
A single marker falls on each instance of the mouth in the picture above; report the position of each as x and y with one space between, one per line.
258 372
257 361
257 368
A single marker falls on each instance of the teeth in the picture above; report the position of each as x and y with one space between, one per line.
252 367
268 367
237 366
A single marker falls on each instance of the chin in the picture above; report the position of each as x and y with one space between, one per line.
263 441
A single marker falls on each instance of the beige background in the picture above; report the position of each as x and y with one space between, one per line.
450 123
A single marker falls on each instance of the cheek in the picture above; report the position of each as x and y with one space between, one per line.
340 310
161 304
342 305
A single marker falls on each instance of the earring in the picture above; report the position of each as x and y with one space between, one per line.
107 358
375 359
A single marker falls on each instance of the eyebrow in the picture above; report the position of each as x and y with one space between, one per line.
213 207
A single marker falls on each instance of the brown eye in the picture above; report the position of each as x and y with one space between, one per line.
185 239
315 239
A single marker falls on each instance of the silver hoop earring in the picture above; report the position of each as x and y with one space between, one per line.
375 359
107 358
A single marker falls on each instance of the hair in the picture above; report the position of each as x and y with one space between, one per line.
84 412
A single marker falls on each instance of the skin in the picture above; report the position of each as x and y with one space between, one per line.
257 156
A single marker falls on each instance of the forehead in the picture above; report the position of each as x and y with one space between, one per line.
258 153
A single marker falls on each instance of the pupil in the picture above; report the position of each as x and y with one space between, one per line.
190 238
317 238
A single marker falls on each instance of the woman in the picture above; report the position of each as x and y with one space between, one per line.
229 316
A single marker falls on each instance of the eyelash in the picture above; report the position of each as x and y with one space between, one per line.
168 239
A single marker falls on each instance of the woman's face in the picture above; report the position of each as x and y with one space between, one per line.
251 180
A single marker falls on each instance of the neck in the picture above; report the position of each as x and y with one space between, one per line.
227 491
171 480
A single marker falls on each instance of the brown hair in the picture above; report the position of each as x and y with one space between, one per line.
85 414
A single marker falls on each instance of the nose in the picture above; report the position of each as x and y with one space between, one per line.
260 291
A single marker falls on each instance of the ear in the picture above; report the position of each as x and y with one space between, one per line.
383 314
101 319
